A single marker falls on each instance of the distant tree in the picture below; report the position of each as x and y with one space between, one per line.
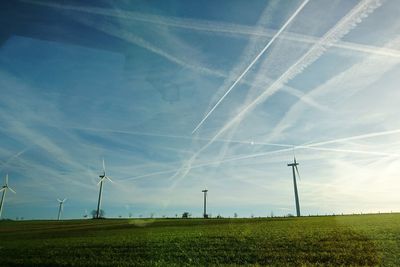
130 214
120 216
235 215
152 215
185 215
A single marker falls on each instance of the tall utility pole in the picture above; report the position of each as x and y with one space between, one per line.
296 194
205 215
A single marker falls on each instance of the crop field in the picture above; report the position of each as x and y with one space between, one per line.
366 240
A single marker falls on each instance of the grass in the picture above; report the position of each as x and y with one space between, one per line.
362 240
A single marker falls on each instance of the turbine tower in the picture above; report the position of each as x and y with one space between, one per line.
205 215
60 209
296 193
4 189
103 177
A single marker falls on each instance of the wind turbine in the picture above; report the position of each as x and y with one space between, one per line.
296 194
205 215
4 189
60 209
103 177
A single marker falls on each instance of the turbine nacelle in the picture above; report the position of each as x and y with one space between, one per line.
295 164
103 176
5 186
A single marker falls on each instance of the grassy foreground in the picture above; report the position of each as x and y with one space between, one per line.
366 240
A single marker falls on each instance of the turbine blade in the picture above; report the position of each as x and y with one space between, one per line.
104 166
64 199
297 170
59 200
2 189
12 190
6 178
109 179
101 180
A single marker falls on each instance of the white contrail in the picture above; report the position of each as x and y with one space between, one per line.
357 137
290 147
304 98
350 151
136 40
351 81
235 141
16 155
215 27
348 22
209 163
253 62
247 55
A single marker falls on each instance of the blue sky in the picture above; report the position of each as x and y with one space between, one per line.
130 81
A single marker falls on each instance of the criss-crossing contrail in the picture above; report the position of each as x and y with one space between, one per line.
340 29
252 63
314 146
214 27
16 155
357 137
352 151
138 41
348 22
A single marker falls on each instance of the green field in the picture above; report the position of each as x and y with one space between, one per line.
367 240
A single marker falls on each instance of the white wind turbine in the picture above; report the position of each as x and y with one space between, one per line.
103 177
296 193
4 189
60 209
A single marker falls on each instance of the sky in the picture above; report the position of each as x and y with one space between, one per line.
179 96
